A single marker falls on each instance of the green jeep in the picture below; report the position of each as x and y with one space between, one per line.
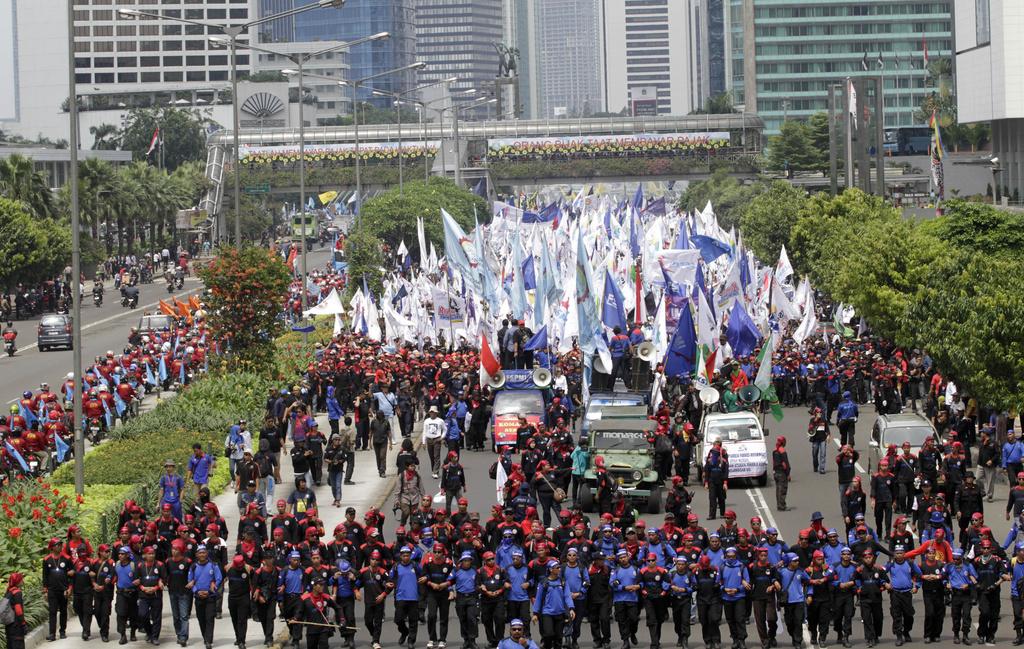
629 459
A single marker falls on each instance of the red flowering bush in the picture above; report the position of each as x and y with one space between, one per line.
33 513
247 289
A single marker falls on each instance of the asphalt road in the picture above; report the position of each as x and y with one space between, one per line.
104 328
808 492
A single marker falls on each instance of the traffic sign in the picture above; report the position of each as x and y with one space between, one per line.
261 188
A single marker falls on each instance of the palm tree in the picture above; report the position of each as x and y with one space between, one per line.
20 181
95 185
105 137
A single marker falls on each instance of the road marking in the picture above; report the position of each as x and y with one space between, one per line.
115 317
857 464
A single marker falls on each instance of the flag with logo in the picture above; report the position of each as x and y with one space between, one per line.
763 378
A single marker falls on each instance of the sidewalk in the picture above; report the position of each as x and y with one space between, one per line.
368 491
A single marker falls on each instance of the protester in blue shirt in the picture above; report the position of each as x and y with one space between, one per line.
516 638
205 580
904 577
962 578
406 578
794 582
200 465
625 583
846 418
171 487
552 604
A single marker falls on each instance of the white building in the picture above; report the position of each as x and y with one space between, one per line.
117 58
332 99
646 48
990 79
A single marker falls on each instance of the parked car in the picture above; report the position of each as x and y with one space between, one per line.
54 331
896 429
149 324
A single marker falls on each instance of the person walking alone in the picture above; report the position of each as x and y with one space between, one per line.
433 439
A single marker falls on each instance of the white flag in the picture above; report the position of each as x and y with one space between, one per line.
808 325
783 269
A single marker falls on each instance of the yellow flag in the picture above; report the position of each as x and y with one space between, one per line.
327 197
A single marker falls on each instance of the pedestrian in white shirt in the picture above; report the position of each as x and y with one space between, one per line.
433 438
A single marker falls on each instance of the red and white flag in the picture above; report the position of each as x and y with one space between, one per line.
489 365
154 141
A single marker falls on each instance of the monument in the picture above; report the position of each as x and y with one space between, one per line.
506 84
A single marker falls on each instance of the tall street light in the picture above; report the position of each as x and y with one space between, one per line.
76 263
299 60
422 106
418 65
397 97
232 32
455 130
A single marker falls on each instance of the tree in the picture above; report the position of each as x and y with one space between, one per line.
30 249
183 133
365 260
978 134
719 104
978 228
247 288
768 219
793 148
819 132
725 193
372 114
104 137
20 181
263 76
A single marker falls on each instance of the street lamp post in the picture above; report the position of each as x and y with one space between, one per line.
455 131
397 96
299 60
76 263
232 32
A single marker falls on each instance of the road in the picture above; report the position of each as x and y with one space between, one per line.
104 328
809 492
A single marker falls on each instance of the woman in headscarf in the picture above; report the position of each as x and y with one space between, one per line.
15 631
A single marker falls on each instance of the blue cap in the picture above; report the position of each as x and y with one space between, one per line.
845 550
405 549
771 530
831 531
508 532
125 549
622 553
899 548
1019 546
572 551
730 550
606 528
958 553
516 622
552 564
846 394
713 535
294 554
466 555
517 553
791 556
816 516
680 559
344 566
936 517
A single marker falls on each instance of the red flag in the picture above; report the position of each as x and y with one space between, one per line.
709 364
924 46
488 363
154 141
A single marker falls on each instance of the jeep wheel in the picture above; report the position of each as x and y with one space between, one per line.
762 480
654 501
586 498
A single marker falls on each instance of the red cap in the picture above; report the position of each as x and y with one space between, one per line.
818 554
730 513
463 501
488 555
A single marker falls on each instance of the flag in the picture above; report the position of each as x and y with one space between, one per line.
459 249
656 206
710 248
150 377
851 91
480 188
162 369
682 241
328 197
538 341
612 311
938 173
489 365
167 309
924 48
742 334
763 378
638 197
119 404
864 62
62 448
783 269
500 478
880 63
154 141
808 325
193 301
841 327
13 452
529 275
681 359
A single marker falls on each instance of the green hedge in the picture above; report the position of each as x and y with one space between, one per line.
606 167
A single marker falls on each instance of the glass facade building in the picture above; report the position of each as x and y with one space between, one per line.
569 58
801 47
357 19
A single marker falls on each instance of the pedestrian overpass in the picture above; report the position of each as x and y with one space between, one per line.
503 153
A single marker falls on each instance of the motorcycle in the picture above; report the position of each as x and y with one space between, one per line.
9 346
130 298
95 431
170 285
97 298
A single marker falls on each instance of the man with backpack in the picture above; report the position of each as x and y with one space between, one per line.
453 481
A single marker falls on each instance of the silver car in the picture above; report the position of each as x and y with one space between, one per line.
896 429
54 331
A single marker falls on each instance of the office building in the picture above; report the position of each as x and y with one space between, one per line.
331 98
570 60
518 20
359 19
990 80
793 50
456 39
647 56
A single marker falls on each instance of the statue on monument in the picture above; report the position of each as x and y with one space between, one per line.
508 58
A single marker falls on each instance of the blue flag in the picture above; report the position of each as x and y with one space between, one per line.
612 312
399 295
13 452
683 240
656 206
529 276
546 215
119 404
710 248
107 415
62 448
538 341
480 188
608 222
30 417
681 358
181 373
742 333
634 239
638 197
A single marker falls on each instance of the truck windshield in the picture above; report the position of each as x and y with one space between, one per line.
620 440
732 431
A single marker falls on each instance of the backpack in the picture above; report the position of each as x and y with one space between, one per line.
6 612
662 444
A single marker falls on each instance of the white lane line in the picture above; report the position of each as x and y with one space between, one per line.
764 511
116 316
857 464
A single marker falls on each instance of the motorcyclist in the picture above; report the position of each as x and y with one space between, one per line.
16 420
92 408
10 333
179 276
129 293
97 291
